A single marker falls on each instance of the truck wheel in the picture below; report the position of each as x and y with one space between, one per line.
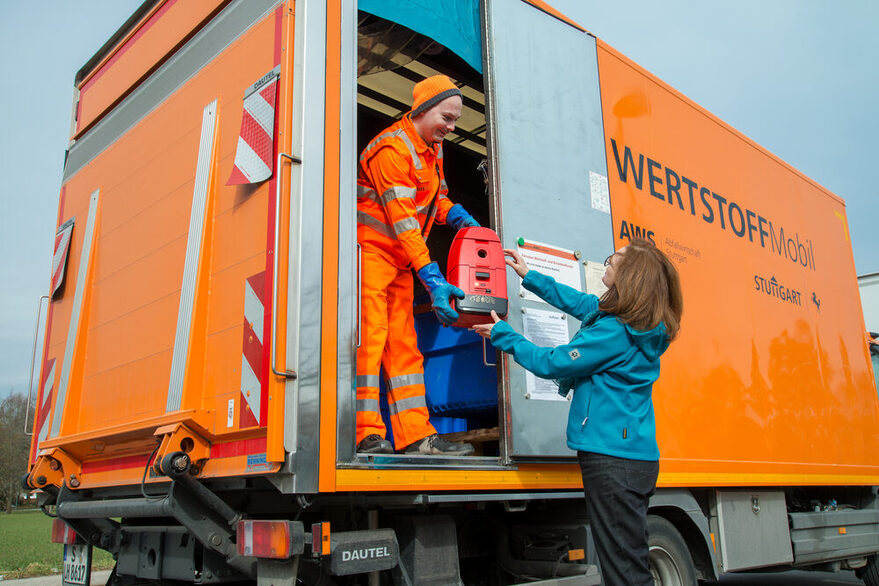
870 573
669 559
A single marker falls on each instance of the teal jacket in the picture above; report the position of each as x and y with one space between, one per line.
610 366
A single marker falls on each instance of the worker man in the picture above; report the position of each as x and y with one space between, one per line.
401 193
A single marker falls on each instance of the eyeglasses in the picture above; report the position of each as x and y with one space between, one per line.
607 260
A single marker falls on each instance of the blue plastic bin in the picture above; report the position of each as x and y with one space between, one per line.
458 383
461 390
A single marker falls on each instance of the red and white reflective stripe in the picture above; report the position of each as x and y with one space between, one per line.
43 412
59 258
253 156
41 416
252 353
62 533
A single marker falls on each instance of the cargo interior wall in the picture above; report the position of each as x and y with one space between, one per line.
461 389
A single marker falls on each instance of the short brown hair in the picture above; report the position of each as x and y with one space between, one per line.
646 290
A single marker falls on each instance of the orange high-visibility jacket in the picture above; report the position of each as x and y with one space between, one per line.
400 194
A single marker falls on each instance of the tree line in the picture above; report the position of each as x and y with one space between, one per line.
14 446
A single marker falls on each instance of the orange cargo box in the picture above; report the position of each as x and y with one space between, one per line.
196 412
205 311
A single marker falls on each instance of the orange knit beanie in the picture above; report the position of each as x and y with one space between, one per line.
431 91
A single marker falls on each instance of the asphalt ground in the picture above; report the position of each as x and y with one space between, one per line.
795 578
97 579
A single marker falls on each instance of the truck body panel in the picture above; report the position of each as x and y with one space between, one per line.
791 351
128 326
143 47
771 345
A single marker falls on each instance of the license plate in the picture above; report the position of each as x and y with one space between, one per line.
77 564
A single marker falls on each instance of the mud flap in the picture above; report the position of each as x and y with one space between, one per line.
358 552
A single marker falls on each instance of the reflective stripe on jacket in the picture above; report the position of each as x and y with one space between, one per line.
401 192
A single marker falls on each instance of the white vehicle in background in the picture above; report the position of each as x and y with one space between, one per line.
869 286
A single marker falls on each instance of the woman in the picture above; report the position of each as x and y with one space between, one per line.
611 364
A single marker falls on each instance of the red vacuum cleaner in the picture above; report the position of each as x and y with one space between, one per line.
476 265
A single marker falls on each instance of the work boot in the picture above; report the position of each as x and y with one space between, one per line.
434 445
374 444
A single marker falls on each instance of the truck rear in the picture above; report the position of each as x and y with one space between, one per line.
196 407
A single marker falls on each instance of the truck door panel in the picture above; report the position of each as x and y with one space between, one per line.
545 121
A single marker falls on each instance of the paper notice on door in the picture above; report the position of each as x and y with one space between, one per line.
548 329
598 192
558 263
594 273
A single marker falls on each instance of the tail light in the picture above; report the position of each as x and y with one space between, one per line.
270 539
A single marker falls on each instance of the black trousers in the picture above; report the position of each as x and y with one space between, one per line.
617 491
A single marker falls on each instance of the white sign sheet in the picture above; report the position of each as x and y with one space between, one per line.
548 329
599 193
558 263
594 273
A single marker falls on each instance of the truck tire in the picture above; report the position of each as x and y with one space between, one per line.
670 561
870 573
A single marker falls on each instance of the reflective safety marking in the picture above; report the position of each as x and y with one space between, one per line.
250 390
377 225
377 140
43 413
253 310
262 111
408 403
368 405
253 157
364 192
59 258
406 224
368 380
416 160
250 165
253 384
398 192
404 380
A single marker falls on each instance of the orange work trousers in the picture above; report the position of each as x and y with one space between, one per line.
387 330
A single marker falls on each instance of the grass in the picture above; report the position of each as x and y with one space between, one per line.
26 547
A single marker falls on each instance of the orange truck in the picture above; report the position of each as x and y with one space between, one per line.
195 405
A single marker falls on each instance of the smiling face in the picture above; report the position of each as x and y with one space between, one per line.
433 125
612 262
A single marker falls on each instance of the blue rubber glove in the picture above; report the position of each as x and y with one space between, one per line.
459 218
440 290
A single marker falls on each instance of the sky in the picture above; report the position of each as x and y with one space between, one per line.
799 77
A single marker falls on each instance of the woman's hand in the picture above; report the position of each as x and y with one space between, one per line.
517 263
484 330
